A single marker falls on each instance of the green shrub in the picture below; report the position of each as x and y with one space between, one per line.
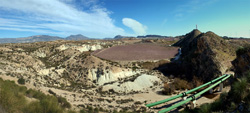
96 110
241 50
50 105
63 102
239 89
21 81
10 99
205 108
13 100
33 107
82 111
70 111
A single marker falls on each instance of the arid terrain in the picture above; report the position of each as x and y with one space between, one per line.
73 69
119 75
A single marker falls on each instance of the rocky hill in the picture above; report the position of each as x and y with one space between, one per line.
205 55
37 38
41 38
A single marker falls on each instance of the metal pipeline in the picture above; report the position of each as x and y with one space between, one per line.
185 93
193 97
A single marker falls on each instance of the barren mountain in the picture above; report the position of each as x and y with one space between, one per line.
37 38
41 38
205 55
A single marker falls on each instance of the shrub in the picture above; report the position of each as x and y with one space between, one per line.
177 84
241 50
63 102
96 110
13 100
181 84
21 81
168 89
82 111
33 107
50 105
205 108
239 89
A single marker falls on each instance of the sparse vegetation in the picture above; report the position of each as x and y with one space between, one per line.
13 99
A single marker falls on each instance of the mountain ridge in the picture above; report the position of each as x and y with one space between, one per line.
41 38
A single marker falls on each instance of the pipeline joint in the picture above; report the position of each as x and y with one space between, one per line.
184 94
193 97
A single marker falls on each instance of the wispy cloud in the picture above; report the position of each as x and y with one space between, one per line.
164 21
61 17
136 26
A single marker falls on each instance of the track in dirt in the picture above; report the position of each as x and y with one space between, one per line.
137 52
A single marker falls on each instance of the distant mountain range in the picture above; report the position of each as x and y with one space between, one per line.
44 38
41 38
146 36
154 36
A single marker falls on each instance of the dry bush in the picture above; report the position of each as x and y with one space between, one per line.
177 84
181 84
196 82
168 89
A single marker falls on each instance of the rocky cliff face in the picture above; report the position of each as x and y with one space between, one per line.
205 55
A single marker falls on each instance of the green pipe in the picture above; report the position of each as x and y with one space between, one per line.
185 93
193 97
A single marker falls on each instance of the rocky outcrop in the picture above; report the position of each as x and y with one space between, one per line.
242 62
140 83
205 55
82 48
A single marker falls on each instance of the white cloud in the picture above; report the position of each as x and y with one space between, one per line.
136 26
58 16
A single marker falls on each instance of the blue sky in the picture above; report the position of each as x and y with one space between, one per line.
107 18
